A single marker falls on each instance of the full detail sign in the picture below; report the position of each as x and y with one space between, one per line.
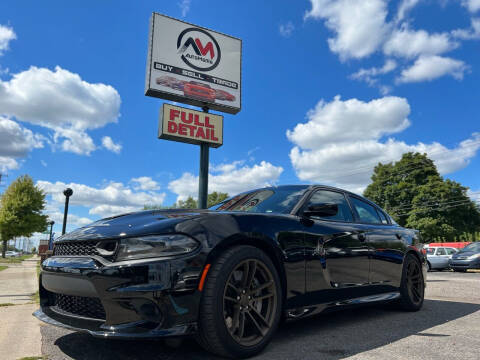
190 126
193 65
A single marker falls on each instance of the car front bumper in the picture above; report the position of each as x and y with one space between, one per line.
465 264
136 299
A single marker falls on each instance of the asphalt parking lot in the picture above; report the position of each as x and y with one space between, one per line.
447 327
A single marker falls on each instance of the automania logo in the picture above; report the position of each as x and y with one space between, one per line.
198 49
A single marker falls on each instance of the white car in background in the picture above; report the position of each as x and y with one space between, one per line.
438 257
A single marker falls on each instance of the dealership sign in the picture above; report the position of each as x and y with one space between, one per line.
190 126
193 65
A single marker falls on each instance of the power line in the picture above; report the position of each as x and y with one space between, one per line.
434 201
435 209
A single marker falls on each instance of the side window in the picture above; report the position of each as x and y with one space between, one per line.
383 217
332 197
441 251
450 251
366 212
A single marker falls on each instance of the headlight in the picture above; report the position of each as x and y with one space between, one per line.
155 246
474 256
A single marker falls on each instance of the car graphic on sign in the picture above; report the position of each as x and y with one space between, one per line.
199 91
170 82
224 95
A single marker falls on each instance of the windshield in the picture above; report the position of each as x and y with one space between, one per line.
280 200
475 247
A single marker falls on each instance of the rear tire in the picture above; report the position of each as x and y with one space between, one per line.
241 303
412 287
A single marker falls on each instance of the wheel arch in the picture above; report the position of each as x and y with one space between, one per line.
267 245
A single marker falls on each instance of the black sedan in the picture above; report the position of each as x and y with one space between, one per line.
229 274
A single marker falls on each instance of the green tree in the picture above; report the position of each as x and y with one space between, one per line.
414 193
213 199
21 210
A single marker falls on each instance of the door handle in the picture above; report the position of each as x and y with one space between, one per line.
399 236
362 237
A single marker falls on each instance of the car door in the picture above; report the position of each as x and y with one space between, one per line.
335 250
385 242
442 258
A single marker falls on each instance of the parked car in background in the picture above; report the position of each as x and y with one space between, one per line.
230 273
438 257
467 258
12 254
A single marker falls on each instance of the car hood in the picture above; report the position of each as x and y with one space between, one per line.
139 224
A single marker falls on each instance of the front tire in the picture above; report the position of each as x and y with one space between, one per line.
412 287
241 303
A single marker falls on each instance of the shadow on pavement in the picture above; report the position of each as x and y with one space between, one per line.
328 336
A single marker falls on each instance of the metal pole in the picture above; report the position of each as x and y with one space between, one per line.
65 213
50 238
67 192
203 176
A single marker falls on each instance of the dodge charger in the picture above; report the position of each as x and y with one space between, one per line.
228 275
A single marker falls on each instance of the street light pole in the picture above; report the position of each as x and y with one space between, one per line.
50 238
67 192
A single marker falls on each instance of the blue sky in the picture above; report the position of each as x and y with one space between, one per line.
330 88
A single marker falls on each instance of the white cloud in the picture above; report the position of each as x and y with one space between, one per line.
184 6
44 163
228 179
55 213
286 30
110 199
341 122
469 34
472 5
145 183
6 35
359 25
363 27
474 195
61 101
408 43
16 142
405 7
370 76
109 144
358 128
427 68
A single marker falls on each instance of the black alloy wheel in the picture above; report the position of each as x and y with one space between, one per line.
241 303
412 288
249 302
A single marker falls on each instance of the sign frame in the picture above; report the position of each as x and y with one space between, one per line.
167 95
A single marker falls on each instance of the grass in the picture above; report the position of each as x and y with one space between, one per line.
6 304
14 260
3 267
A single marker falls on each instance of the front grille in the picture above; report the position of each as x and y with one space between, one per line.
80 306
76 248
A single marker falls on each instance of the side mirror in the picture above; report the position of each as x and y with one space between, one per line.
321 210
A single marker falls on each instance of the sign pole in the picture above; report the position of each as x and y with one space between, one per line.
203 176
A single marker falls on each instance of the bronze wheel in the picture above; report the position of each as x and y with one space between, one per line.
415 282
241 304
249 302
